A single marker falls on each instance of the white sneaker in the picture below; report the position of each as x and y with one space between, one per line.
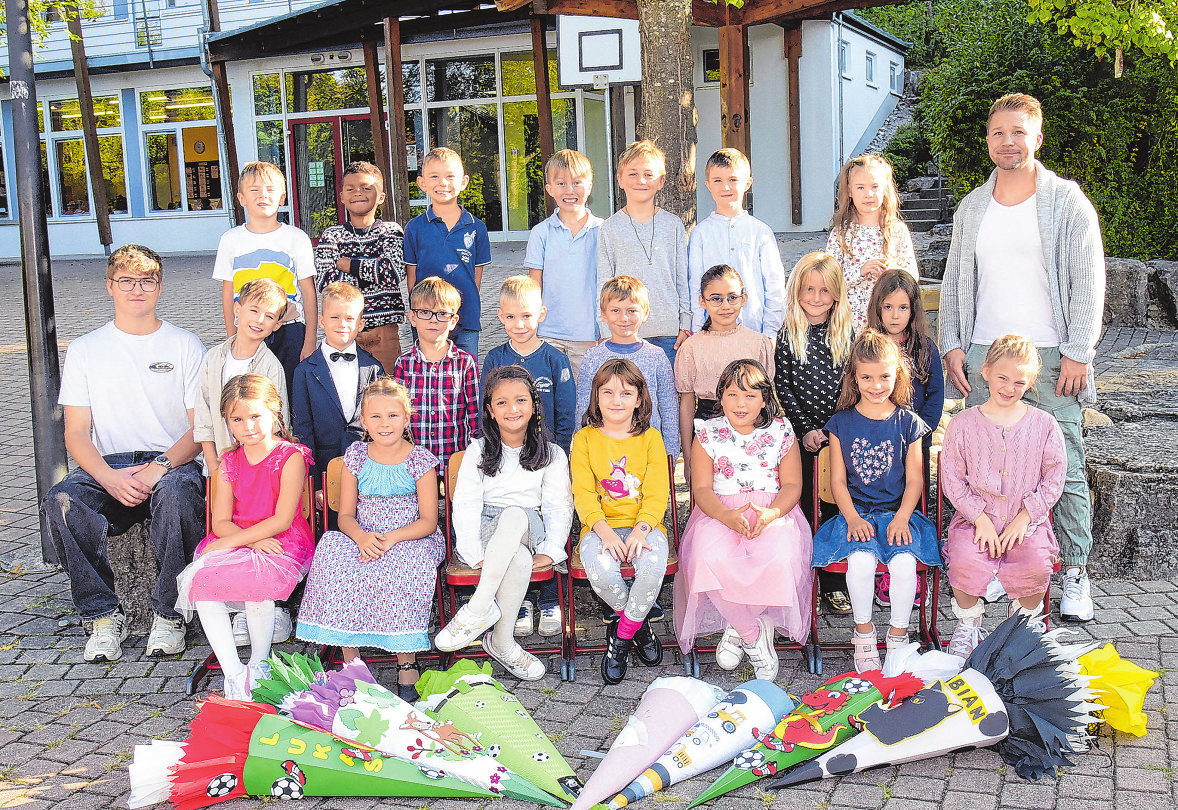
166 637
730 650
241 630
524 624
465 627
551 621
1076 603
761 653
106 639
967 636
519 662
866 650
282 626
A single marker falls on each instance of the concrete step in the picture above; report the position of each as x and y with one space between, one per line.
921 205
920 225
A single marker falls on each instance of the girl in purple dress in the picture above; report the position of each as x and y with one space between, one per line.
260 544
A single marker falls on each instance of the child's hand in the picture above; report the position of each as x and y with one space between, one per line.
873 269
986 536
734 519
343 264
859 529
614 545
1015 532
765 516
637 541
267 545
814 440
371 546
541 562
899 532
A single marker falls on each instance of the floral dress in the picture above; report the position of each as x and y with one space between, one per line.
386 602
866 243
724 577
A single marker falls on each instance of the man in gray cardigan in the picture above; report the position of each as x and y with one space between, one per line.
1027 258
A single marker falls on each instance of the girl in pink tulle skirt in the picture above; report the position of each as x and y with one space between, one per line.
260 545
744 562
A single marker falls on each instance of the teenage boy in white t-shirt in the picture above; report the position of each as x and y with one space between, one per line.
128 390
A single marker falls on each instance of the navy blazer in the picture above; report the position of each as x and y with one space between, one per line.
316 412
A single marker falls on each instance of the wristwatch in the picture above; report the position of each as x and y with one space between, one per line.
164 462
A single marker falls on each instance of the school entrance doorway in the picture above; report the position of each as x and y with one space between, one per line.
321 149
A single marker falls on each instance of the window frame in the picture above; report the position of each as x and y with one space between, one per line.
50 138
176 128
869 69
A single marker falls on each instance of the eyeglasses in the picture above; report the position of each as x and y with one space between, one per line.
430 315
147 284
731 298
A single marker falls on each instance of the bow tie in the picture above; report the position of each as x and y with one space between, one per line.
335 356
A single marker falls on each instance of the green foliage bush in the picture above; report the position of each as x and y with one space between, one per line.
1118 138
908 152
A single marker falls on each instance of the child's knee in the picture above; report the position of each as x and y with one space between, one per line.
902 564
513 519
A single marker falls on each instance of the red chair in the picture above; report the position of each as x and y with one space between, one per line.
210 664
928 578
458 574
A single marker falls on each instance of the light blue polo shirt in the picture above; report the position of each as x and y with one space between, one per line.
451 254
570 276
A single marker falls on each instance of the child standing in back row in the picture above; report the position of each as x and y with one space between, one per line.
650 244
734 237
867 236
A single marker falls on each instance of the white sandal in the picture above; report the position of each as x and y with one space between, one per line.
866 650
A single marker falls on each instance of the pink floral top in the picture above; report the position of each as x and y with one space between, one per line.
866 243
743 463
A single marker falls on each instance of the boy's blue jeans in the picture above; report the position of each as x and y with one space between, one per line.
467 340
667 344
82 516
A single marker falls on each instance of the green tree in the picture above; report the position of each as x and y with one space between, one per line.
1115 26
44 13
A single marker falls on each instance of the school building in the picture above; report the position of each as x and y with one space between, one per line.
309 91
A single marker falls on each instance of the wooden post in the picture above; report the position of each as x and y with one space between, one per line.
543 98
734 88
380 141
793 53
399 163
225 115
90 131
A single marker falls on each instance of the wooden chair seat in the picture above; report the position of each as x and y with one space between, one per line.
577 569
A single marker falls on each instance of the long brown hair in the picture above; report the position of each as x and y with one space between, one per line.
843 222
749 375
918 346
873 346
629 374
254 388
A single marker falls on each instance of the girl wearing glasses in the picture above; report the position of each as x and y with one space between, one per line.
704 356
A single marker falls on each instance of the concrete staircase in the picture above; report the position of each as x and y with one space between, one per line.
921 204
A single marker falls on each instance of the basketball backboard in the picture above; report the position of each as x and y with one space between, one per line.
597 51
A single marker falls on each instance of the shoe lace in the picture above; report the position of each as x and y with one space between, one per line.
1073 587
965 638
550 612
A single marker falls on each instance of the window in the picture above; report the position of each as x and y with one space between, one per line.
183 159
4 212
66 181
460 78
322 90
843 59
869 69
711 64
896 78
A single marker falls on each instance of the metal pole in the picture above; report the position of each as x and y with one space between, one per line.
40 326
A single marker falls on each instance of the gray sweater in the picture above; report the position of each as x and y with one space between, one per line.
655 253
1072 250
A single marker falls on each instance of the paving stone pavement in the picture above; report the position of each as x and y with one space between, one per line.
67 728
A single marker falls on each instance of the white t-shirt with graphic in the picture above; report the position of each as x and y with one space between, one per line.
284 255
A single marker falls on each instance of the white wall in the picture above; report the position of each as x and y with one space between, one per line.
865 105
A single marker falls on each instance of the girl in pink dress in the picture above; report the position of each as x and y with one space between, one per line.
745 556
260 545
1003 467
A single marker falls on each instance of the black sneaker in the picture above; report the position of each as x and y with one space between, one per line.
615 661
647 646
656 614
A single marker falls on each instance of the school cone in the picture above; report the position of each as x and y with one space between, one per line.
668 708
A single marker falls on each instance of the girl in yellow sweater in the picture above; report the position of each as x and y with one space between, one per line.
621 489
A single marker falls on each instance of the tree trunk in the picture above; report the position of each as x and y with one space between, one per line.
668 114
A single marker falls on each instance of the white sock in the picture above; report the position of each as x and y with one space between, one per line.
861 584
903 590
497 558
214 618
259 616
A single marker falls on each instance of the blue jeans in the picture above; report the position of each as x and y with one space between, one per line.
667 344
467 340
83 516
287 344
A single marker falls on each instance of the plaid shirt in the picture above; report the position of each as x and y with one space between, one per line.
445 396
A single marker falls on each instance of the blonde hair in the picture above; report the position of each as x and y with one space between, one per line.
641 149
433 291
342 292
265 291
797 326
520 289
875 347
264 170
571 161
385 386
443 153
890 223
137 259
622 288
1018 348
254 388
1018 102
728 158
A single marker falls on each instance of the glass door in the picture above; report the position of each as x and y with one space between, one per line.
315 147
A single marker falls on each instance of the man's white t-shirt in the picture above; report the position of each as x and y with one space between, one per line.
1013 295
284 255
139 388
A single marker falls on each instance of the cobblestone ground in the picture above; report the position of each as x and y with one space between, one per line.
67 728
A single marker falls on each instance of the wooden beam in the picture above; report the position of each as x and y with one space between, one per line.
231 171
799 10
90 132
714 15
793 53
399 164
621 9
734 88
380 140
543 98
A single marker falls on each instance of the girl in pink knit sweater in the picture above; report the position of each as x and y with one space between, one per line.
1002 466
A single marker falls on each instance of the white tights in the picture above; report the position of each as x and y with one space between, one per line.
506 572
861 567
214 618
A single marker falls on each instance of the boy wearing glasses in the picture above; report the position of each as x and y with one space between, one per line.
128 390
735 237
442 379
